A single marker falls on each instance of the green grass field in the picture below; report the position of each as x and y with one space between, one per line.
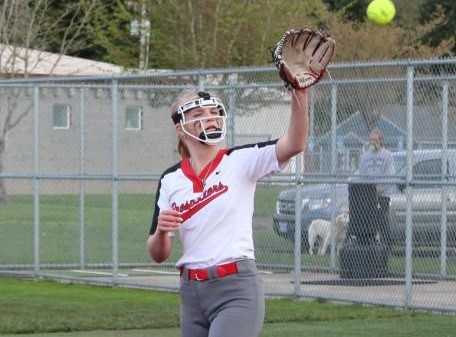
43 308
60 232
59 226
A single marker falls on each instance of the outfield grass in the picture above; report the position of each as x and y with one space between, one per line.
270 249
60 232
43 307
60 229
348 328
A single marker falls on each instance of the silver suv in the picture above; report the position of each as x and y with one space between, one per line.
426 207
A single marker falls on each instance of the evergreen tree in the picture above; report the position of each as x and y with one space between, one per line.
109 37
65 25
353 10
443 14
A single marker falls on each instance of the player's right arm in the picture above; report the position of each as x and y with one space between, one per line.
159 244
165 221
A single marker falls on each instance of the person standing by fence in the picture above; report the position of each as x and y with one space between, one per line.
377 162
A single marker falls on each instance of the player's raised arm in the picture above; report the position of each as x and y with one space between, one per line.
301 57
294 140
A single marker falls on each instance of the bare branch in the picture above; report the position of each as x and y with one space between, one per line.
3 18
29 36
19 118
218 11
81 25
192 30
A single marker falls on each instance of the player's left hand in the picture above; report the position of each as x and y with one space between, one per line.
301 56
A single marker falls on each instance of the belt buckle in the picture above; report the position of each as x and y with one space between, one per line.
197 275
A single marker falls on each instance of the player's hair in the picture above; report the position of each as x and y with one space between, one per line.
379 133
184 96
182 149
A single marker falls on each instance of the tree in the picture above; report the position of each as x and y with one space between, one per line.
217 33
27 24
352 10
65 25
109 36
407 12
214 33
443 14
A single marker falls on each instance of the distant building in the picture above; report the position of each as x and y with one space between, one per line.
146 136
353 133
72 143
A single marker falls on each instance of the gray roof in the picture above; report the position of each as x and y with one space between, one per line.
354 130
427 121
392 120
18 60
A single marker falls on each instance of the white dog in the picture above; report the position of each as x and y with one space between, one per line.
321 229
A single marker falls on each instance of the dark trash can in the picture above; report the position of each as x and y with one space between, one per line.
365 254
363 261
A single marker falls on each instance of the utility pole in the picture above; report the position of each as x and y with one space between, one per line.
141 28
144 38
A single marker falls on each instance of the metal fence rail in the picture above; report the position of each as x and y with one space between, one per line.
80 158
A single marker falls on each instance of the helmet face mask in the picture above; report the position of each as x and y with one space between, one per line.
210 137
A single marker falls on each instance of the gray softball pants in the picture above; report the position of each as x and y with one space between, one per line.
232 306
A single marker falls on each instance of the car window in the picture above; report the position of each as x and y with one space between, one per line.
399 163
430 169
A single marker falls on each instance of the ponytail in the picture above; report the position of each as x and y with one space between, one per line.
182 149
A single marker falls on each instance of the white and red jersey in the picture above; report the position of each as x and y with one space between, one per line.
217 212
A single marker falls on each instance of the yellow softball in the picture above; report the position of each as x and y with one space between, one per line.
381 12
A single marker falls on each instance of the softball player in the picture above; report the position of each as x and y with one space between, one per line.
208 198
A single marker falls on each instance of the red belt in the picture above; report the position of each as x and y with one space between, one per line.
221 270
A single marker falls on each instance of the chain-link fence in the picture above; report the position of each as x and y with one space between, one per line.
80 160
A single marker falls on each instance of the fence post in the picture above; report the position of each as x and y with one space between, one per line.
311 116
298 230
81 181
444 195
115 182
36 181
232 80
409 196
201 82
333 171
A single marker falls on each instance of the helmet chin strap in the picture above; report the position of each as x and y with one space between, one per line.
212 135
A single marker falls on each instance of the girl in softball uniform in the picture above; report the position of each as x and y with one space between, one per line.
208 198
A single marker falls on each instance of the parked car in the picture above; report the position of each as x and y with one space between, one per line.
317 201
